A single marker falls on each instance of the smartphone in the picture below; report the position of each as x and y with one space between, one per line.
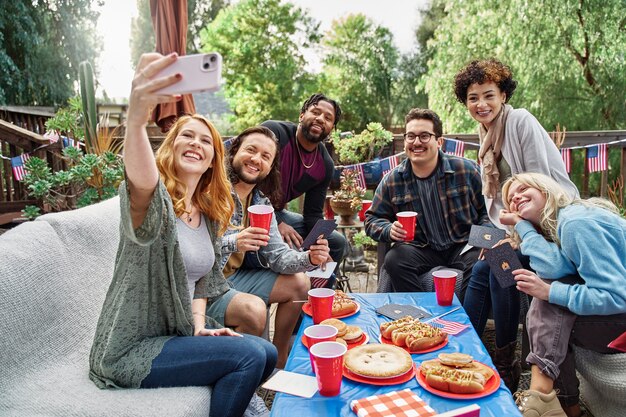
201 72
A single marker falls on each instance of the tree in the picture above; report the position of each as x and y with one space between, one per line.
360 69
41 44
263 66
200 14
568 57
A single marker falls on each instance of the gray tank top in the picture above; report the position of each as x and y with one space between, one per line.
197 250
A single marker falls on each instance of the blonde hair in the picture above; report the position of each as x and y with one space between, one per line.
212 195
556 198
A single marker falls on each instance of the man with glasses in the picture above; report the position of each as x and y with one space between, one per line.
446 193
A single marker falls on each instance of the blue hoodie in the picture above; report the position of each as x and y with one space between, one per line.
593 246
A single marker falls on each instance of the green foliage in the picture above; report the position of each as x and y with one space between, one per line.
360 69
360 240
88 96
362 147
263 67
41 45
568 57
67 120
31 212
200 14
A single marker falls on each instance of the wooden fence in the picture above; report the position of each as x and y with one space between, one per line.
22 129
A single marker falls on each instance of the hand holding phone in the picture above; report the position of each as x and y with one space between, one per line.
322 228
200 72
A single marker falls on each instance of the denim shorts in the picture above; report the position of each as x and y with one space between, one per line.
258 282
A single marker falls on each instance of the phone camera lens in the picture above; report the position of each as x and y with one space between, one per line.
206 66
213 58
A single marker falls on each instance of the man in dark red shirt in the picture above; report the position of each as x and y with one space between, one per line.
307 168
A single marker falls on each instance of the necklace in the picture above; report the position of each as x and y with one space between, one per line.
302 158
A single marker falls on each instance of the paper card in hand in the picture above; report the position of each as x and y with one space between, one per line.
397 311
503 261
322 228
484 236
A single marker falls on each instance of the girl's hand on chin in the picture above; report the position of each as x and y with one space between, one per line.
509 218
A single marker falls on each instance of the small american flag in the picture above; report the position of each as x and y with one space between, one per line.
597 158
388 164
450 327
454 147
566 155
17 163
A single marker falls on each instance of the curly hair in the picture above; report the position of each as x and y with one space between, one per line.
212 194
484 71
426 114
316 98
270 185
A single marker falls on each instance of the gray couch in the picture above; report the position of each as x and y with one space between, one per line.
54 275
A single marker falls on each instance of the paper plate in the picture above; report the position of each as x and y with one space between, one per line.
386 341
401 379
491 386
361 341
306 307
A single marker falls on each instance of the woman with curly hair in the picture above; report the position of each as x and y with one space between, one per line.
511 141
578 250
152 330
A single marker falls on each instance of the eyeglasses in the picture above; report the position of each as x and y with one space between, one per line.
424 137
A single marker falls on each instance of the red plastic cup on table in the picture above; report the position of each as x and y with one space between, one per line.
366 205
444 286
260 215
319 333
328 366
407 220
321 300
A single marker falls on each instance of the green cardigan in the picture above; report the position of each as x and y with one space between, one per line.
148 300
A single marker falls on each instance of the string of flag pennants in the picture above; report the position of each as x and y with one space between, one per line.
18 162
369 173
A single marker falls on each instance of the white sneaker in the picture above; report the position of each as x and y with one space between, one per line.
256 408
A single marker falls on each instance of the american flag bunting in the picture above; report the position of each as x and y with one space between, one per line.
454 147
71 142
360 178
52 136
388 164
566 155
17 164
597 158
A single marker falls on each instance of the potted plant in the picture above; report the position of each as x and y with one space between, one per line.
346 201
365 146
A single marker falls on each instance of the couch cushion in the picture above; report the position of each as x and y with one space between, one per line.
54 275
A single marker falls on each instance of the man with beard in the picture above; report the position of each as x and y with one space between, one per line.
446 193
280 277
307 168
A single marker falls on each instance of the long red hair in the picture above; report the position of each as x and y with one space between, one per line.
212 195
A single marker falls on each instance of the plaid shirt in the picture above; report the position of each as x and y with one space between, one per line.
460 192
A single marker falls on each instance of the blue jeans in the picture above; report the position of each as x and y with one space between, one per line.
484 294
233 366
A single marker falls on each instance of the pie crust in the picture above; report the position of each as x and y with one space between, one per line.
378 360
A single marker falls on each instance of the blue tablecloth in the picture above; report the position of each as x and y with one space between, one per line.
497 404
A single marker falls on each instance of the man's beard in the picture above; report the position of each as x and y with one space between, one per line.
310 137
238 168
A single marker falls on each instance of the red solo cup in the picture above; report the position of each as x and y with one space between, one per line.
407 219
260 215
319 333
328 366
321 300
329 214
366 204
444 286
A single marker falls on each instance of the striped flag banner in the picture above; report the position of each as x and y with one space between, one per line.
388 164
451 327
17 164
71 142
454 147
52 136
360 178
566 155
597 158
